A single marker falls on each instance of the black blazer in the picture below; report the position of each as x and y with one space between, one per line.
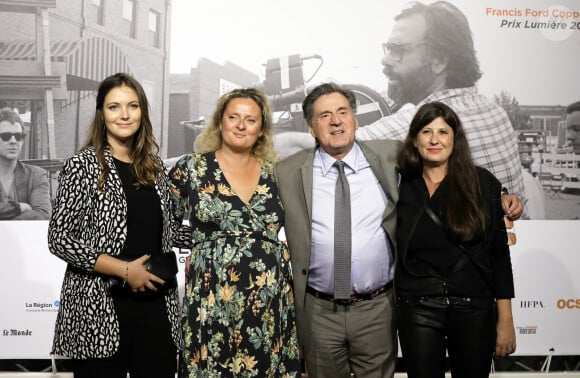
491 255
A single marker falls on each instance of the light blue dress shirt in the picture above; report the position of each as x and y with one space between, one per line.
372 261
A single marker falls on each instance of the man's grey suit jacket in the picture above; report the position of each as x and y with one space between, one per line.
295 188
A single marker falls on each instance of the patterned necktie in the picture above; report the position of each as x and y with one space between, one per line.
342 236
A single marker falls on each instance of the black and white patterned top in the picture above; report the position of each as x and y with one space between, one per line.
85 223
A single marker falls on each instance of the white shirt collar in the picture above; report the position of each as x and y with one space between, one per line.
351 160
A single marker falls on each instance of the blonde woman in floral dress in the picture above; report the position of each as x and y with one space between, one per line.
238 316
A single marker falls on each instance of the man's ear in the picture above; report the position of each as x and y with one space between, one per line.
439 63
311 130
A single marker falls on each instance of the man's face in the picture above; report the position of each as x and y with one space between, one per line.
11 140
406 61
333 124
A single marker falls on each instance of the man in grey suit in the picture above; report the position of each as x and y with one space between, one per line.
353 334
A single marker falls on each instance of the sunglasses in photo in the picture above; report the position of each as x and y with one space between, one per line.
7 136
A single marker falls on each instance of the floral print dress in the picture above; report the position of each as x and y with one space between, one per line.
238 310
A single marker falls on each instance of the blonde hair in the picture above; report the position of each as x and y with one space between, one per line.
211 137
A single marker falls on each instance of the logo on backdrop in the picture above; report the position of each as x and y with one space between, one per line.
568 304
42 306
531 304
556 23
527 330
183 253
16 332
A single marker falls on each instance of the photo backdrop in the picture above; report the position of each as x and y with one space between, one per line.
528 49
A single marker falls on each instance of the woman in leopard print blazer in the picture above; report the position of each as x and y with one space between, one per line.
112 211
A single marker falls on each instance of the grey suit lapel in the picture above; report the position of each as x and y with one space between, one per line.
378 168
386 175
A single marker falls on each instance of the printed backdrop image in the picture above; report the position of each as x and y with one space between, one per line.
188 53
526 51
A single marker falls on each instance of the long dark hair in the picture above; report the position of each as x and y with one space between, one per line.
146 165
465 216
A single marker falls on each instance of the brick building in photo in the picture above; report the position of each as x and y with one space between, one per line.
53 54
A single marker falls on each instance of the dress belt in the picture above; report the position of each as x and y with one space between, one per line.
354 298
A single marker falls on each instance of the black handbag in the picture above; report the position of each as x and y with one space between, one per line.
163 265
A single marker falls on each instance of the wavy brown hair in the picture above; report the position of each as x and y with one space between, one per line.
211 137
146 164
464 213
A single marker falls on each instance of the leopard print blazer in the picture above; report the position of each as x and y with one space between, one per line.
85 223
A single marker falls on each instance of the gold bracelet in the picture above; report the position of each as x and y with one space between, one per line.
126 273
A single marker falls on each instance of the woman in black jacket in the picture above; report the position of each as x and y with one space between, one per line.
454 280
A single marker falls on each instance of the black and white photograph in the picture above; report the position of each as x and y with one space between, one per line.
24 190
508 69
520 76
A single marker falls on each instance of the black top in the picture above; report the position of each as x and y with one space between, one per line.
144 216
434 264
429 245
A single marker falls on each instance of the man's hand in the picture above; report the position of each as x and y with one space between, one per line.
24 207
512 206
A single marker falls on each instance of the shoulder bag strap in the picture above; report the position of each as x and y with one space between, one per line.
434 216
